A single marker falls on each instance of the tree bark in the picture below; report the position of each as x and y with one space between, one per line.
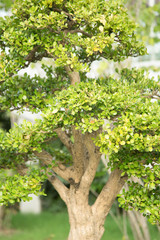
87 222
84 224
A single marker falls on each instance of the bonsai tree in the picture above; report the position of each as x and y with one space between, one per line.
115 115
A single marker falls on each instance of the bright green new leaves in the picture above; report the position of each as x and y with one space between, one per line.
33 93
69 32
16 188
86 106
144 199
136 131
130 135
119 109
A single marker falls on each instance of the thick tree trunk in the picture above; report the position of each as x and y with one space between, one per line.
84 223
87 222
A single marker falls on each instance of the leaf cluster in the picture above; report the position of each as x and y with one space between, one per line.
120 110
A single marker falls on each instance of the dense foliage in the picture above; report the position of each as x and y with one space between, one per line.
74 34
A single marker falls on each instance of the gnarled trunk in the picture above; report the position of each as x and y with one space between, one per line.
84 222
87 222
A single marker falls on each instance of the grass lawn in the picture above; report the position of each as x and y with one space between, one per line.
55 226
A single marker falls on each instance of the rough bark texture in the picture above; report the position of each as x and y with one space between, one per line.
83 222
74 76
86 222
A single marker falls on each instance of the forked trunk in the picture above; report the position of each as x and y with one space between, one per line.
87 222
84 223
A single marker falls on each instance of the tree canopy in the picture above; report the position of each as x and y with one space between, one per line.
115 115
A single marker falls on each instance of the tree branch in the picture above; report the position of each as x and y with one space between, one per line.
109 193
74 76
44 157
67 173
22 169
64 139
31 54
66 13
31 57
79 153
59 186
94 158
78 31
